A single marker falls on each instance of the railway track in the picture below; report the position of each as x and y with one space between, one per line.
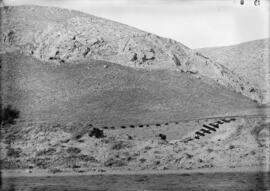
210 127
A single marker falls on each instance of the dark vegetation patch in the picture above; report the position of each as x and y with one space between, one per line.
65 141
142 160
185 174
162 136
97 133
43 163
9 114
54 170
81 130
118 145
11 164
147 148
231 147
112 162
73 150
129 137
78 135
15 153
209 150
87 158
188 156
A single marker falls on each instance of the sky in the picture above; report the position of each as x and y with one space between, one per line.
195 23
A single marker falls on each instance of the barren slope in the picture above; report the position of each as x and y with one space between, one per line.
60 36
250 59
110 94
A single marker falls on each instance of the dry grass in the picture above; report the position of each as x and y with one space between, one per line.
114 96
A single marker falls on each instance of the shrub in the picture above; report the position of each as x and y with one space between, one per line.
42 162
231 147
142 160
209 150
120 145
78 136
13 152
73 150
87 158
95 132
55 170
162 136
9 114
48 151
189 156
147 148
111 162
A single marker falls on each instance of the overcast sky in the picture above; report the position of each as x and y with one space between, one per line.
195 23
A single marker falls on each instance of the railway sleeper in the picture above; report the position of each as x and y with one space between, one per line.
209 128
219 122
205 131
199 133
226 120
214 125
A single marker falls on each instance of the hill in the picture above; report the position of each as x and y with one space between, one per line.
60 36
110 94
250 59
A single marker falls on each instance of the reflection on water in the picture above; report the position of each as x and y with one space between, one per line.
167 182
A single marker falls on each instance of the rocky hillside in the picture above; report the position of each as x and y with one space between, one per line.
250 59
60 36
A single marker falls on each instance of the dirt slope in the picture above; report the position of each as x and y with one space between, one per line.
110 94
60 36
250 59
